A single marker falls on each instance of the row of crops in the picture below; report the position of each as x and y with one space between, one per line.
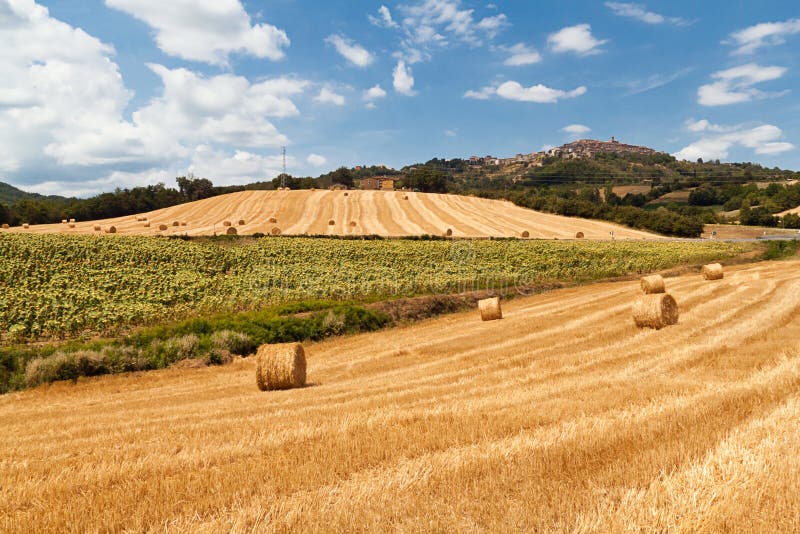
54 286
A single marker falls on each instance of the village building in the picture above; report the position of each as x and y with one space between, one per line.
377 183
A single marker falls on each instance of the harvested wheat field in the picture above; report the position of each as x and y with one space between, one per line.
383 213
561 417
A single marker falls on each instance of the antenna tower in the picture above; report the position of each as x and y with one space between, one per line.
283 176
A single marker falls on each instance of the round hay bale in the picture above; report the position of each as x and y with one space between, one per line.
184 223
346 193
72 220
226 223
64 221
111 230
405 197
490 309
26 226
579 235
176 223
449 232
273 220
713 271
526 234
241 222
72 225
655 311
331 222
653 284
281 366
275 231
353 224
147 225
5 226
141 219
97 228
162 227
231 231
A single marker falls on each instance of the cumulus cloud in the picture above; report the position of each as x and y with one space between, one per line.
539 93
520 55
577 39
374 93
327 96
352 52
481 94
717 140
735 85
429 25
315 160
754 37
576 130
639 12
403 79
205 30
384 18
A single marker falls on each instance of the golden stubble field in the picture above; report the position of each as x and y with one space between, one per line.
561 417
353 213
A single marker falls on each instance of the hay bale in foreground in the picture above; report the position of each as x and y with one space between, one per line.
275 231
111 230
5 226
655 311
525 234
579 235
653 284
281 366
490 309
713 271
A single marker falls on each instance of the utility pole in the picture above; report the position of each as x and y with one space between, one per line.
283 176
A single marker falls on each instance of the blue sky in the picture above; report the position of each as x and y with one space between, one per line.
101 94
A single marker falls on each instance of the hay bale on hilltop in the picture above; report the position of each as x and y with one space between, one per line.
579 235
226 223
490 309
713 271
275 231
111 230
241 222
72 220
653 284
97 228
273 220
231 231
346 193
281 366
184 223
353 224
449 232
72 225
331 222
176 223
655 311
5 226
525 234
146 225
162 227
64 221
26 226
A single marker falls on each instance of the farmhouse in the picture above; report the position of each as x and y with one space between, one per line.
377 183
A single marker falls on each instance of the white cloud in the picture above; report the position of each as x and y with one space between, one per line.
654 81
451 133
241 167
577 39
576 130
763 140
537 93
481 94
327 96
315 160
429 25
639 12
205 30
765 34
375 92
735 85
520 55
403 79
384 18
352 52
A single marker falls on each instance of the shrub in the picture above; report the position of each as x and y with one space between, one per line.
163 353
233 342
61 366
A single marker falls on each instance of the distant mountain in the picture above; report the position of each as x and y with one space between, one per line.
10 194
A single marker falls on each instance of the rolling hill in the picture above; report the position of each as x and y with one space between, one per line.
344 213
562 417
